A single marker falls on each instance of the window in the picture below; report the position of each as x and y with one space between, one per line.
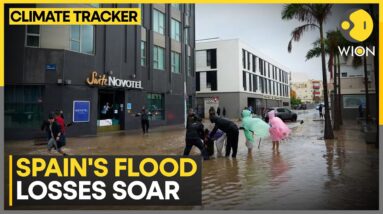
23 106
273 71
264 68
273 88
156 106
176 6
261 84
175 30
255 85
211 80
254 63
175 62
280 90
33 36
250 83
82 38
186 36
158 22
197 81
248 61
261 66
344 74
244 58
268 70
143 53
211 57
244 81
158 58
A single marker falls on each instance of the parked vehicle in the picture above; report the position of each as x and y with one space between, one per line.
303 107
283 113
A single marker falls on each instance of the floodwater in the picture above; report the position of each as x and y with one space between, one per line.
306 173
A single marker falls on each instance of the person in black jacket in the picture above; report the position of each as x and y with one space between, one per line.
231 130
144 121
219 111
45 127
55 134
191 117
194 137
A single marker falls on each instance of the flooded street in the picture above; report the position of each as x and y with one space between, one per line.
306 173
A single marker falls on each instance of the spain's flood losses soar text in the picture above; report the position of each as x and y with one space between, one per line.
109 180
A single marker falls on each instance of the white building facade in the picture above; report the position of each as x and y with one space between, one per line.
352 87
232 75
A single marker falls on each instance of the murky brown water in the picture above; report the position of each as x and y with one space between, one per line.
306 173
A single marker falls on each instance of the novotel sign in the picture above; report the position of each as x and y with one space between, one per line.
109 81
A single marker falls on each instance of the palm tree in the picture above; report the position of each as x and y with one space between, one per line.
313 16
332 41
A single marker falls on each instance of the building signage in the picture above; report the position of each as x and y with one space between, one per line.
81 111
50 67
109 81
129 106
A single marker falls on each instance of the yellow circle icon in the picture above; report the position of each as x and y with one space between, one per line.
360 51
345 25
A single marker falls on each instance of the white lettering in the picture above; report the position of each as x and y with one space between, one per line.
155 191
101 191
343 51
368 50
142 187
83 189
52 187
67 188
20 195
116 187
171 188
32 187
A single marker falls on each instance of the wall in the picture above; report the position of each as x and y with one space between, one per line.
227 52
229 101
353 113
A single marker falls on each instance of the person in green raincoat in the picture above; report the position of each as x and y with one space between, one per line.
253 127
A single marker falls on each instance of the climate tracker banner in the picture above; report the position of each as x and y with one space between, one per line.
104 180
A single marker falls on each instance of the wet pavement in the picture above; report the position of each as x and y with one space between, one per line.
306 173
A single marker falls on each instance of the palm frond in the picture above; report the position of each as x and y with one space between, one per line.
290 46
316 43
314 52
301 12
298 31
289 11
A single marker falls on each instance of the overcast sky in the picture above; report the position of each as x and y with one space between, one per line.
261 27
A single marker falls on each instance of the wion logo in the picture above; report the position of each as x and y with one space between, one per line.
356 26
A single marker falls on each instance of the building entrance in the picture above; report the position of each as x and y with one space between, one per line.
111 113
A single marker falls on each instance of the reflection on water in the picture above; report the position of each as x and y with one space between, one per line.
306 173
278 168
